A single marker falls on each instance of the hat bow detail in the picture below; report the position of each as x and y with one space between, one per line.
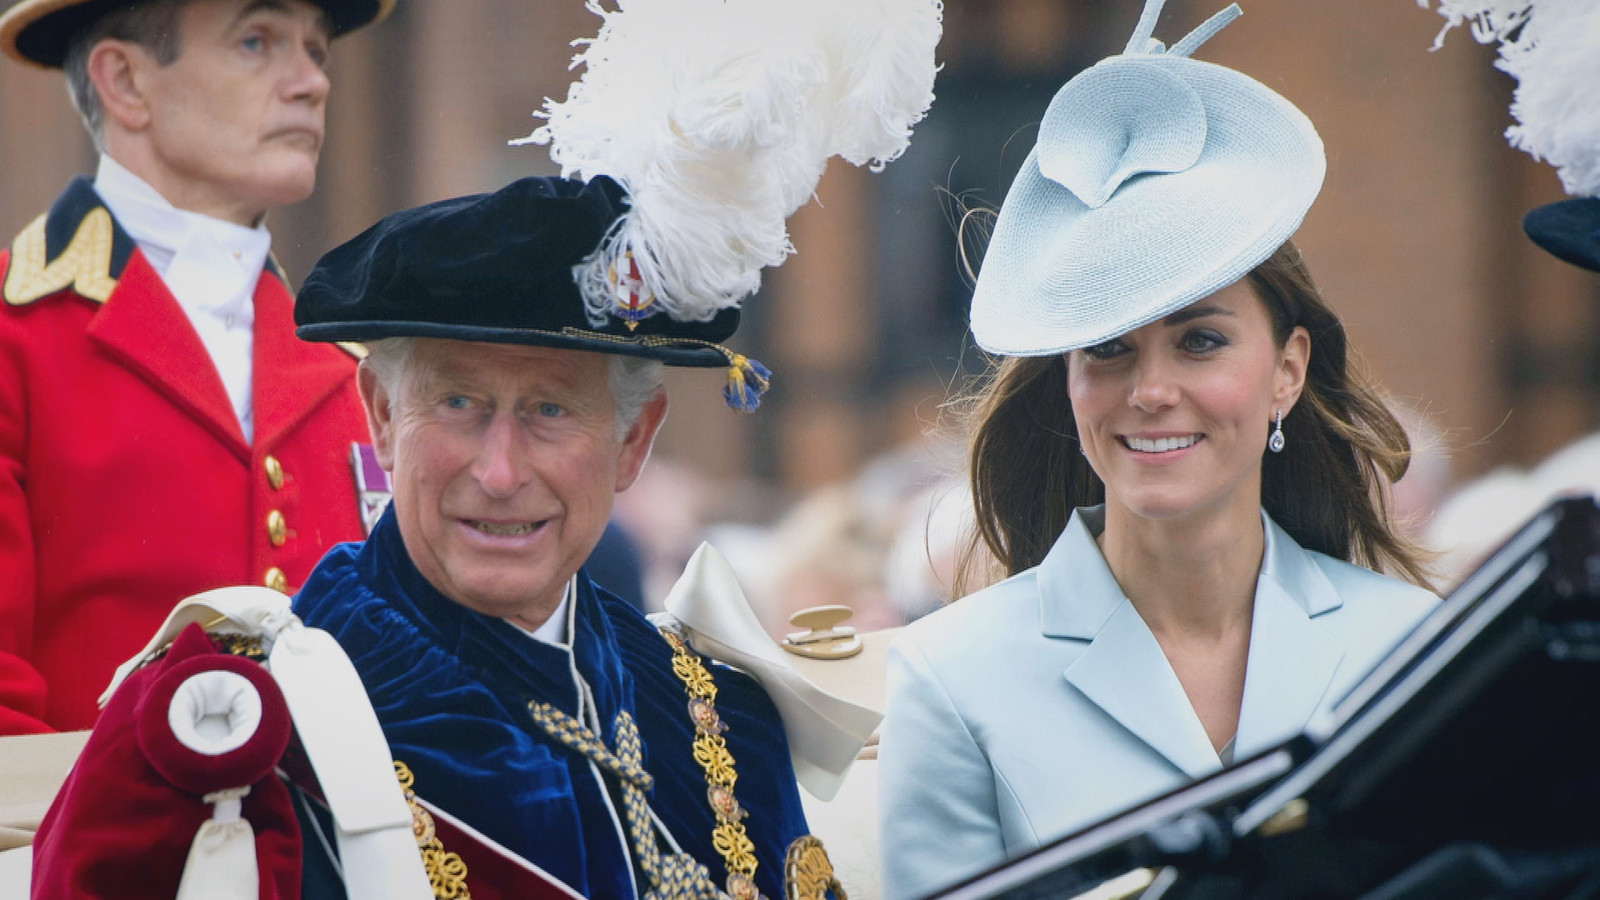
1091 147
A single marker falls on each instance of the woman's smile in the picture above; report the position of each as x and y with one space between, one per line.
1167 444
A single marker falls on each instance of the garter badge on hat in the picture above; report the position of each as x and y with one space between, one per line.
697 128
1156 180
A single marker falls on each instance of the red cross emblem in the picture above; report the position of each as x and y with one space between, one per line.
633 300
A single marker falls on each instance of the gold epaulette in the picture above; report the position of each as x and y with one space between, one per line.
85 266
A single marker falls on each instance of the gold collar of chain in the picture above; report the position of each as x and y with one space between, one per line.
711 752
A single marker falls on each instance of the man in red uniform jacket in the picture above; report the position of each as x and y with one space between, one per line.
162 432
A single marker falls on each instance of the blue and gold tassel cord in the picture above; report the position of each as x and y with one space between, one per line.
747 381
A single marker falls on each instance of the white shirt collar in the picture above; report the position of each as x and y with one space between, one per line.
162 230
211 267
554 630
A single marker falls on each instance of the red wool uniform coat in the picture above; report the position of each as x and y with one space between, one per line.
125 480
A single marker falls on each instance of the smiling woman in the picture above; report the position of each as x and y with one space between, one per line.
1173 466
1326 487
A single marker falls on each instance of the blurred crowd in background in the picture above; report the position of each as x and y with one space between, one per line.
848 486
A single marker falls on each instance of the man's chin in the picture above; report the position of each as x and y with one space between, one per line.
286 185
521 603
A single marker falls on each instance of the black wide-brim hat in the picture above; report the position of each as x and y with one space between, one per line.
38 31
496 268
1569 229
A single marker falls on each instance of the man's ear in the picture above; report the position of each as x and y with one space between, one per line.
117 70
640 438
380 414
1294 360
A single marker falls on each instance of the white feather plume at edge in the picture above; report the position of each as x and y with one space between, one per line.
1550 47
719 116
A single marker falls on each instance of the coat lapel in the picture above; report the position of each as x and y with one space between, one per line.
1125 673
143 326
1292 660
291 377
1122 670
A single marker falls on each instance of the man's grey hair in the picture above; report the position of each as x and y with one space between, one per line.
634 380
152 24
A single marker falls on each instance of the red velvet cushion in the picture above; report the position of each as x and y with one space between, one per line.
119 828
199 773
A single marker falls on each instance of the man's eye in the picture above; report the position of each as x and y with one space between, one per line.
254 43
550 410
318 54
457 402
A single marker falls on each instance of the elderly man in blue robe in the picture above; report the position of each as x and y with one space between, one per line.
513 386
543 712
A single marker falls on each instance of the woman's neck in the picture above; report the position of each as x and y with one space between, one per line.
1194 575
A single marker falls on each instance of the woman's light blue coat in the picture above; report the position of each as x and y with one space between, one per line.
1043 703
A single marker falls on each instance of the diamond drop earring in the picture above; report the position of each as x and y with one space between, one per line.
1276 441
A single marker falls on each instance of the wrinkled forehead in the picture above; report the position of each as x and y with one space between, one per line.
442 361
238 12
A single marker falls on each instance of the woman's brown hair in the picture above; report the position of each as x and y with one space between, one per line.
1327 489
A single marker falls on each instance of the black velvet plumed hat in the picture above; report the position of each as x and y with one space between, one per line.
499 268
715 145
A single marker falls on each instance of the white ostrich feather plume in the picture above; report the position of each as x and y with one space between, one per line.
719 116
1552 49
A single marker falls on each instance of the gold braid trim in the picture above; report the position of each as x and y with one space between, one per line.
711 752
808 873
447 873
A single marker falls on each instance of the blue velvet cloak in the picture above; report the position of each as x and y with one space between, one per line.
451 689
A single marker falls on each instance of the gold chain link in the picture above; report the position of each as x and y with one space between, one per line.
447 872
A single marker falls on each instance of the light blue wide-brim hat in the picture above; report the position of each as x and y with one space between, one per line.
1157 180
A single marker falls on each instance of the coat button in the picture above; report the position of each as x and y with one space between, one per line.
277 528
274 472
276 580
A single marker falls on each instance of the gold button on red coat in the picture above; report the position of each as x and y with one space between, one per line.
277 528
274 472
276 580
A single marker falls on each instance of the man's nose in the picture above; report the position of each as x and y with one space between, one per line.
309 80
500 467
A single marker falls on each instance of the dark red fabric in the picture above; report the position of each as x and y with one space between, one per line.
199 773
118 829
493 872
